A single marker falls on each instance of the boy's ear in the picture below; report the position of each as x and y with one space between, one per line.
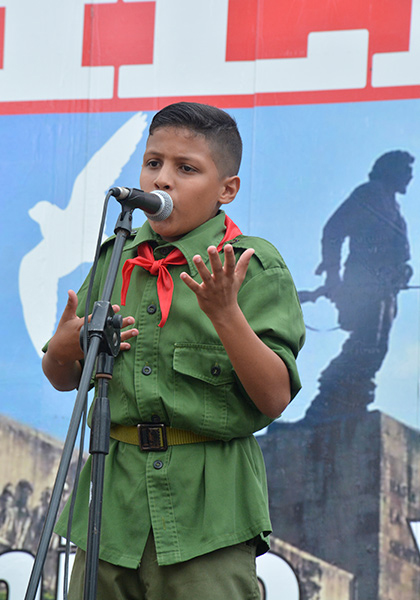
230 188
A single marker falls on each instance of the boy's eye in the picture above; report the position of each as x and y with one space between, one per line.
152 163
187 169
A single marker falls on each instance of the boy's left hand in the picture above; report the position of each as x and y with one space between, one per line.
261 371
217 294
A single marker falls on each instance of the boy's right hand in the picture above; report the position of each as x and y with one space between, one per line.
64 346
61 363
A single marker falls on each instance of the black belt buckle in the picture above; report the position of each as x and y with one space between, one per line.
152 437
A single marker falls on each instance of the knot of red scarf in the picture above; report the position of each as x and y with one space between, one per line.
165 284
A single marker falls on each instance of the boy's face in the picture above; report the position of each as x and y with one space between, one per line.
180 162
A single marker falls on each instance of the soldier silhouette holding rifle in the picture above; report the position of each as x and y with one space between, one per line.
365 296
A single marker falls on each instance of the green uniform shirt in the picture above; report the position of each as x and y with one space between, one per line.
203 496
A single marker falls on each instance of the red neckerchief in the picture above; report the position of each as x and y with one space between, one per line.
165 284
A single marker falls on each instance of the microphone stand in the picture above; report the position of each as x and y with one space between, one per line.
104 344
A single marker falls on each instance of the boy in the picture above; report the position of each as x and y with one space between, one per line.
211 367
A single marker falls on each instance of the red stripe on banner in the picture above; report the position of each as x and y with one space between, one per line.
2 24
223 101
242 30
273 29
118 34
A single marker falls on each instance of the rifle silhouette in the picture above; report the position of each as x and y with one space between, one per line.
322 290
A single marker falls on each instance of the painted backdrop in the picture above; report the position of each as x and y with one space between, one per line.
320 92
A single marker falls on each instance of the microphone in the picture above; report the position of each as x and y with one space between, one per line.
157 205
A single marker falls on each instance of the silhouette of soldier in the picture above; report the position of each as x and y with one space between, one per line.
375 271
38 516
7 517
23 516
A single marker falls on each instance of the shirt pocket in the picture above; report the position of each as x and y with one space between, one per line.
204 386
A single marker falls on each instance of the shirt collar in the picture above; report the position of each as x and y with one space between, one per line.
195 242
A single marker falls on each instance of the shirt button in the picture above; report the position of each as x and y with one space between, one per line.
158 464
216 370
165 251
151 309
146 370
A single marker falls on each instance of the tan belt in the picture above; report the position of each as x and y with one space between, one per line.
155 436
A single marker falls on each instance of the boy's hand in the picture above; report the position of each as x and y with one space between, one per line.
262 373
128 333
217 294
65 344
61 362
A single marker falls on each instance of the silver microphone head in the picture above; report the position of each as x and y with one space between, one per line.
165 209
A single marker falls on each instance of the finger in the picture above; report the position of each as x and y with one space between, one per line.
243 263
215 262
130 333
71 306
189 281
246 256
124 346
69 312
230 262
127 321
201 268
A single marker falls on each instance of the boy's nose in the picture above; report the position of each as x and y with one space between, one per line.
163 180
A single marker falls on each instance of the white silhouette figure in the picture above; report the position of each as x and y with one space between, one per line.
70 234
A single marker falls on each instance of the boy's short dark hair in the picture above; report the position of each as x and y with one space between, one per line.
219 129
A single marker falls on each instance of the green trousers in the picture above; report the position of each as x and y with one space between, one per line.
226 574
